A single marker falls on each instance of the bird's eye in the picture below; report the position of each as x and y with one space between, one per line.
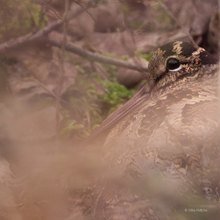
173 64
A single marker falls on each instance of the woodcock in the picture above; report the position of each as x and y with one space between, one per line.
162 153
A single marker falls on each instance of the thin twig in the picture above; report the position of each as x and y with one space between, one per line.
44 87
86 10
62 70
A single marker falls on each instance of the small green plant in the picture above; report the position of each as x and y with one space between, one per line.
115 94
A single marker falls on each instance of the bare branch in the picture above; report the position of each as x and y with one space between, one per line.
29 37
13 43
96 57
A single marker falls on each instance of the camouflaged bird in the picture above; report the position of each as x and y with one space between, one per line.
162 153
167 60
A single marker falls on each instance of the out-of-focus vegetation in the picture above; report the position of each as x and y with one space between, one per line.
19 17
96 96
115 94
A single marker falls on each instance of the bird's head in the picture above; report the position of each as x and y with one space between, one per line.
177 60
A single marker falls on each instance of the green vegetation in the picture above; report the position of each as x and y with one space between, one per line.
90 100
115 93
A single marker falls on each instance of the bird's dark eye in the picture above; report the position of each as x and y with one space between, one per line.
173 64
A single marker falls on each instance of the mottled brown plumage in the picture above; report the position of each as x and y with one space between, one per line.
191 58
162 155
